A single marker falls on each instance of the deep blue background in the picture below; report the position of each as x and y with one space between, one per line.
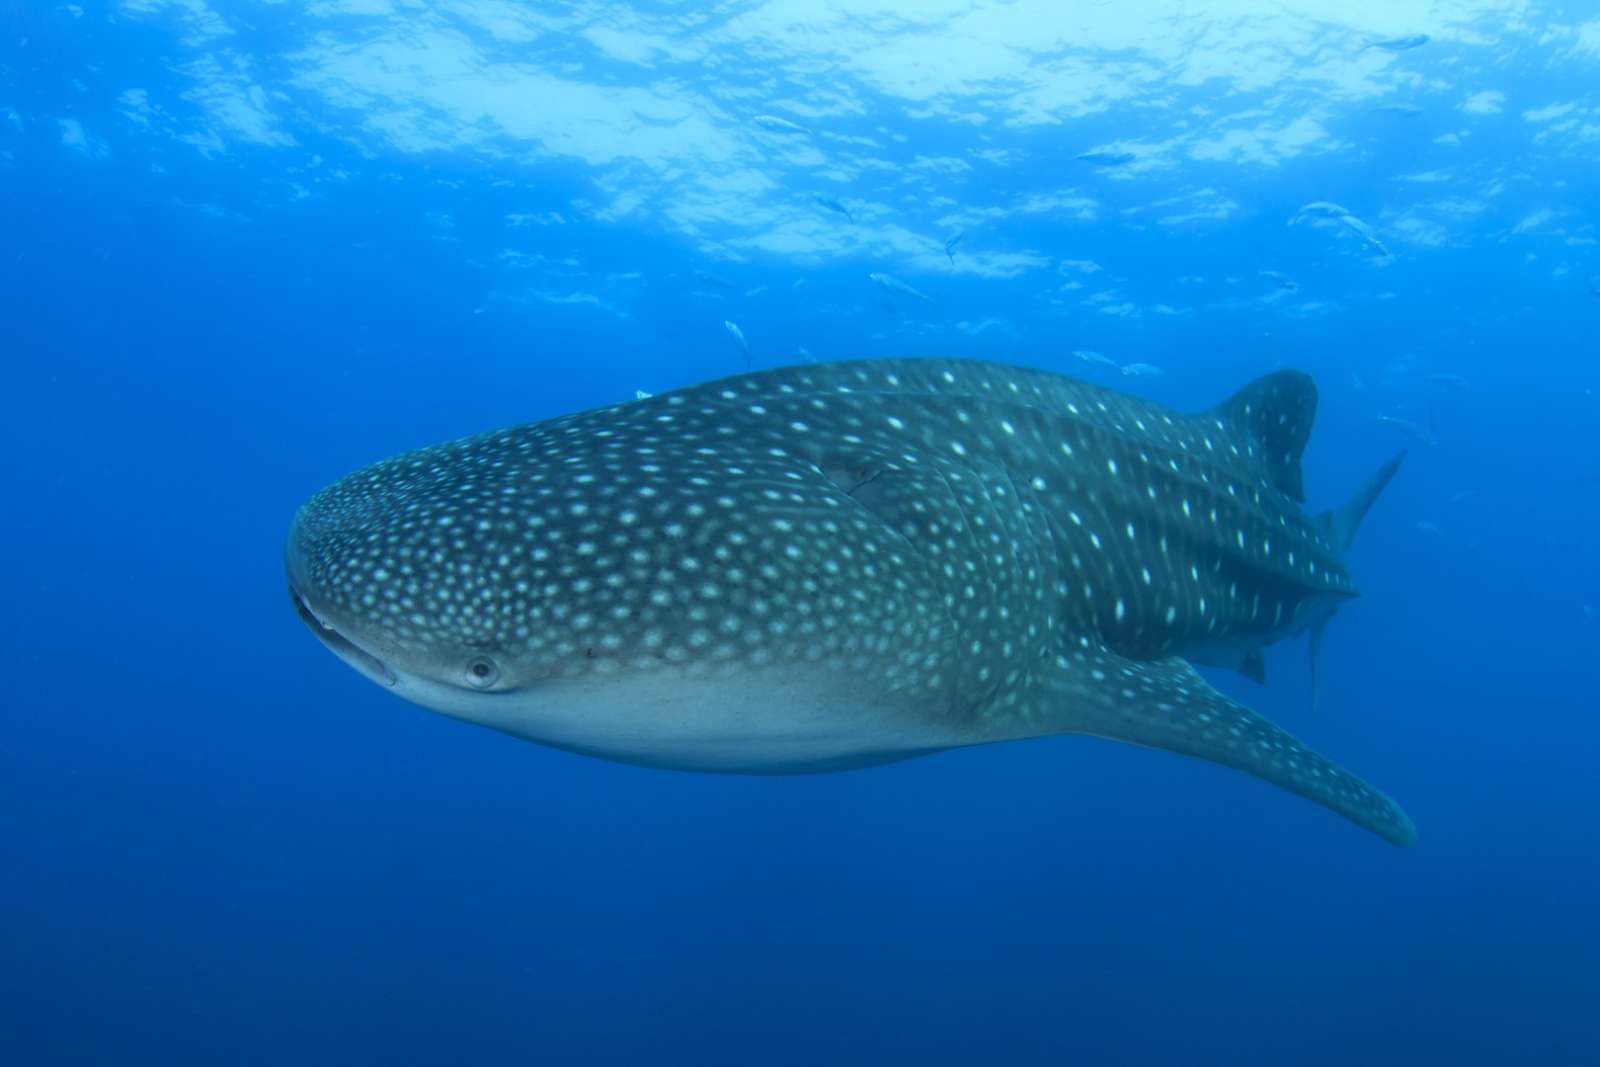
219 844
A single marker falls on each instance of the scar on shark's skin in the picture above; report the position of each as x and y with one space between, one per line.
839 565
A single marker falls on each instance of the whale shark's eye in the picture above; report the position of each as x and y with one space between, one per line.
482 673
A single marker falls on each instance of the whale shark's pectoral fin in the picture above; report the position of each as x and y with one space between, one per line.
1164 704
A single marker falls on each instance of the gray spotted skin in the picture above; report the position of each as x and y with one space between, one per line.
837 565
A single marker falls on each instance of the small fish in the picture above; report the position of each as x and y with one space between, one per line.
1445 380
1089 355
1107 159
950 246
895 287
738 336
640 394
1415 429
1326 209
715 280
1429 528
1465 494
805 354
1283 282
1142 370
1397 44
774 124
1356 224
1320 209
833 205
1368 238
1405 111
757 291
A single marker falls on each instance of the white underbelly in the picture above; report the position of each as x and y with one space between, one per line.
769 721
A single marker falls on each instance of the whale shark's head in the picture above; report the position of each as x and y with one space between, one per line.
636 582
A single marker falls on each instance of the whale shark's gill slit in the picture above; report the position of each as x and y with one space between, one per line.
883 492
861 482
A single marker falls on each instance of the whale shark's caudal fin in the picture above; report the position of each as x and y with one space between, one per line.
1164 704
1338 528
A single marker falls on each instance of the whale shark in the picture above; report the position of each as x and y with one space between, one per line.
839 565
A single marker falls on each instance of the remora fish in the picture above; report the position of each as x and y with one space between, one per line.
1397 44
950 246
833 205
1368 238
738 336
1089 355
895 287
1321 209
840 565
1410 426
1107 159
1324 209
775 124
713 279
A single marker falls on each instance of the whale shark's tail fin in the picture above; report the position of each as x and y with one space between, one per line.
1338 528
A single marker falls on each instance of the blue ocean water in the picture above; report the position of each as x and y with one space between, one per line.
247 247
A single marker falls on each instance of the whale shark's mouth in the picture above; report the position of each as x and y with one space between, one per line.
340 645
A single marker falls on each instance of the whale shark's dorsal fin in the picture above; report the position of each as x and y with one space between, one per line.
1275 413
